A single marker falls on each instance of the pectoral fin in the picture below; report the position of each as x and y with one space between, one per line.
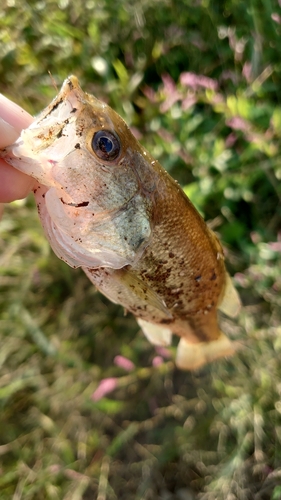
230 303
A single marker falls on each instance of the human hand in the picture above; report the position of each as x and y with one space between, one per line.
14 184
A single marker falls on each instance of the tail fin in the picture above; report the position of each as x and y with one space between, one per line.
191 356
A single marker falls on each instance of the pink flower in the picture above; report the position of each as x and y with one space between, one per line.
188 102
149 93
124 363
241 279
171 93
105 386
157 361
194 81
255 237
238 123
229 75
162 351
275 246
275 17
135 131
247 71
230 140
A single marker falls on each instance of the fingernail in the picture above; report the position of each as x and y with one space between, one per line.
8 134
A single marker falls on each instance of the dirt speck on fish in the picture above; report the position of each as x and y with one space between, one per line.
106 205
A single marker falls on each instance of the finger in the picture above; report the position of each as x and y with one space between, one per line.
8 134
14 184
13 114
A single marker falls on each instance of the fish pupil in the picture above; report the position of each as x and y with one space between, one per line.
106 145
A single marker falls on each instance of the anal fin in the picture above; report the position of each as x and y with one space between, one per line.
142 292
191 356
230 303
156 334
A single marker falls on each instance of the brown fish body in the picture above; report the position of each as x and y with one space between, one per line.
117 213
183 265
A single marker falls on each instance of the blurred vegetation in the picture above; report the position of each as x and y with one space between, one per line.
199 83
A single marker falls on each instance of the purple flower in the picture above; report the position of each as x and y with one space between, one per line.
241 279
157 361
238 123
136 132
188 102
171 93
162 351
275 17
124 363
275 246
247 71
255 237
230 140
105 386
195 81
149 93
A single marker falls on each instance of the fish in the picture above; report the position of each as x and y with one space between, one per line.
108 206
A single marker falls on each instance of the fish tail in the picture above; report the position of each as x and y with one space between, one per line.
191 356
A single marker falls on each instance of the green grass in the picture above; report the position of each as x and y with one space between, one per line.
161 434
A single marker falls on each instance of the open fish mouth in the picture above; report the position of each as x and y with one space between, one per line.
53 131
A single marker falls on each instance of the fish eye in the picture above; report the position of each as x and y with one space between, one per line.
106 145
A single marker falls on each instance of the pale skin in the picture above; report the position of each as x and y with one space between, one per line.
14 185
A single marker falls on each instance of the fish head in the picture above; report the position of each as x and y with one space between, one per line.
96 182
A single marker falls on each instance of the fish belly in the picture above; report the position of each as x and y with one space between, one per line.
201 340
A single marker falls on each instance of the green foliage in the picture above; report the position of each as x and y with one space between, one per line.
199 83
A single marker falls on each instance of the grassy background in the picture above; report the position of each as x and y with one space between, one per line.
161 434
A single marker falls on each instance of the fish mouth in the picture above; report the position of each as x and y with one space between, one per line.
70 92
47 141
71 83
52 128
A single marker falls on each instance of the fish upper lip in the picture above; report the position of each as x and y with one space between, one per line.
71 92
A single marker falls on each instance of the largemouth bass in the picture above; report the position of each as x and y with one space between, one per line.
108 206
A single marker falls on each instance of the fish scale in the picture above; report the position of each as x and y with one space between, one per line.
107 206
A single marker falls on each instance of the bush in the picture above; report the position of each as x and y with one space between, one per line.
199 83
